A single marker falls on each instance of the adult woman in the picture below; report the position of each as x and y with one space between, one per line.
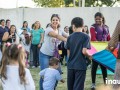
3 32
52 35
99 32
115 39
8 23
37 40
12 35
25 26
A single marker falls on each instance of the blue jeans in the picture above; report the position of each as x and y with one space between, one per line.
44 63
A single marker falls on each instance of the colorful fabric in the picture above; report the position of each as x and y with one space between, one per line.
106 58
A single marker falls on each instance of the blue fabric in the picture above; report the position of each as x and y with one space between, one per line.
106 58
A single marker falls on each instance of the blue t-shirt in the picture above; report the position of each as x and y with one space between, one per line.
2 31
36 36
50 76
75 43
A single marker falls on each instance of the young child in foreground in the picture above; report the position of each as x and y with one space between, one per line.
14 75
51 75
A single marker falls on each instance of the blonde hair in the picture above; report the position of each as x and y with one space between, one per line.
13 52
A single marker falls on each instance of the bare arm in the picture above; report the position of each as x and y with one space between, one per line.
42 38
84 51
68 53
5 36
55 35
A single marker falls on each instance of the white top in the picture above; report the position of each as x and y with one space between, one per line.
13 80
49 42
26 46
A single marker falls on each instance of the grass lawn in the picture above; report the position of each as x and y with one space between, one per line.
99 81
99 46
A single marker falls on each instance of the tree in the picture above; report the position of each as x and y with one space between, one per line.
50 3
94 3
69 3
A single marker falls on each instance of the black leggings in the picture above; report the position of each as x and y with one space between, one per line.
94 69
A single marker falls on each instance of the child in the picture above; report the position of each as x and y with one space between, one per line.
25 41
13 73
77 45
51 75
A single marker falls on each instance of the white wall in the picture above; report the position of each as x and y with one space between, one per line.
17 16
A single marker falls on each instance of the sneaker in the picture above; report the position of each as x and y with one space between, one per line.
93 87
33 66
38 66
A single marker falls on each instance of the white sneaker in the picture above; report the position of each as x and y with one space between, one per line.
93 86
33 66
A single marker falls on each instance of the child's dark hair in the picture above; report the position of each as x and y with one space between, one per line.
70 30
54 61
13 52
77 21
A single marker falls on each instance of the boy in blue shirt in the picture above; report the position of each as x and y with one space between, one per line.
77 45
51 75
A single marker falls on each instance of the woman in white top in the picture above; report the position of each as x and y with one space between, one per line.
52 34
14 75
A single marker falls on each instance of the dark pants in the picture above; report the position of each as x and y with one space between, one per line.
76 79
94 69
35 51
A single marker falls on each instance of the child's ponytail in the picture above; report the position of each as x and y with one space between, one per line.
21 66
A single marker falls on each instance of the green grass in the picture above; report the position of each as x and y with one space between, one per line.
63 86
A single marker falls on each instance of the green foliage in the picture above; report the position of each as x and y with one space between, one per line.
49 3
69 3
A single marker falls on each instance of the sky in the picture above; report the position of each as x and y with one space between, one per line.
16 3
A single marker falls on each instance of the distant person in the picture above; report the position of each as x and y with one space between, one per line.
63 49
25 41
8 23
77 45
85 29
52 37
99 31
4 33
25 26
113 43
13 73
37 36
50 75
12 34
